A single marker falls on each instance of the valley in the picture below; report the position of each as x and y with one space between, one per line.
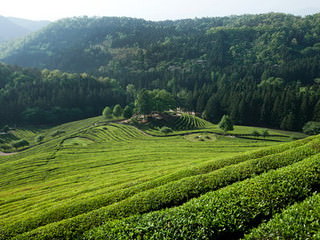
124 128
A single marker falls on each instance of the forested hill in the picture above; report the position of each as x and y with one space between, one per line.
261 69
49 97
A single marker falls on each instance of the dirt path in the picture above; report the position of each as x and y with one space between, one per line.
6 154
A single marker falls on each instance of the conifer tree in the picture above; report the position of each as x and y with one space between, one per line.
226 124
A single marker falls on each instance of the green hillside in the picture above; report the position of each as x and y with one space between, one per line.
84 178
260 69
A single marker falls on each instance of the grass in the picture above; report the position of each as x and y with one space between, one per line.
94 170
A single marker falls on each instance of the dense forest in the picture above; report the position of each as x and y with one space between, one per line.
260 69
49 97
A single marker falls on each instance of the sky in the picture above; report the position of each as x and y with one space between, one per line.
151 9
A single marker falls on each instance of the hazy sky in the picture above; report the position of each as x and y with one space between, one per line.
151 9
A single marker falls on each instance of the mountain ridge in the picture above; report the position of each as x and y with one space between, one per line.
262 70
12 28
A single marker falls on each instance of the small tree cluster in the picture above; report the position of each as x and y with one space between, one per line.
156 100
117 112
264 133
166 130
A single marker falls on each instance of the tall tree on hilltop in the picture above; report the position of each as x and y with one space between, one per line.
226 124
143 102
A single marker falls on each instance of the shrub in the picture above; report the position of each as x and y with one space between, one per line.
255 133
5 147
20 143
311 128
265 133
39 138
127 112
57 133
107 112
117 111
166 130
5 129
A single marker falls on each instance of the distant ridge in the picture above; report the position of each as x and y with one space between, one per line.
12 28
29 24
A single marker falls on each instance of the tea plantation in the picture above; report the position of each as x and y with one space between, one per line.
98 179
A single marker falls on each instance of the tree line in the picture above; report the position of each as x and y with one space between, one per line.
259 69
50 97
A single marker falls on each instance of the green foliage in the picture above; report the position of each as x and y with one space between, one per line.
127 112
74 169
117 110
288 122
299 221
5 129
272 81
205 115
220 74
311 128
143 103
255 133
187 121
167 191
226 124
57 133
265 133
67 96
39 138
157 100
5 147
33 115
166 130
162 100
107 112
20 143
224 214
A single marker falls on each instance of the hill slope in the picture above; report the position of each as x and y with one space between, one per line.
260 69
31 25
9 30
95 171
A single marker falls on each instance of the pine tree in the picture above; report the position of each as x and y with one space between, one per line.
226 124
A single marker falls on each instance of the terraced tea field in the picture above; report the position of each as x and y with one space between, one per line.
85 178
